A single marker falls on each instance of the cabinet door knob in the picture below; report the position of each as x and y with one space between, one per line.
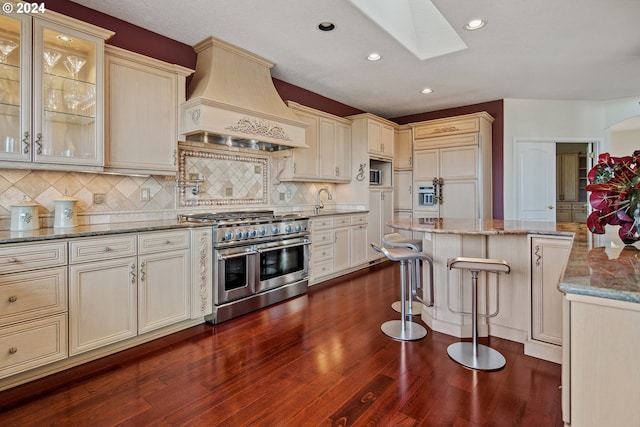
13 350
550 206
106 249
13 298
12 260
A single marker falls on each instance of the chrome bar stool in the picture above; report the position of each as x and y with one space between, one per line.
472 354
414 302
402 329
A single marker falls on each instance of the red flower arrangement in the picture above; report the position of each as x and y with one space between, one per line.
614 183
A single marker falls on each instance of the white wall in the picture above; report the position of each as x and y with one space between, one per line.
624 143
558 121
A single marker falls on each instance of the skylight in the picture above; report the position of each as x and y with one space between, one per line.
416 24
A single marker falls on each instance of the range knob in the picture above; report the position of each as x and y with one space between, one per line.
263 232
238 234
288 229
228 235
246 234
254 233
298 228
275 230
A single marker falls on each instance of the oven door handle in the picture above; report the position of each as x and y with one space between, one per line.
225 257
293 245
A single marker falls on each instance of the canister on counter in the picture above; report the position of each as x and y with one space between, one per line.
24 216
66 215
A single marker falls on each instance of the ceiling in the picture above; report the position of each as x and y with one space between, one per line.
528 49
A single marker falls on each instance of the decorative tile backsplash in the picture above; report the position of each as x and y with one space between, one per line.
246 177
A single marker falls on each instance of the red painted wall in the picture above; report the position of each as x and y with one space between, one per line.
145 42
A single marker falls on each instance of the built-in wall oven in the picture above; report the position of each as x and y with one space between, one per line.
259 259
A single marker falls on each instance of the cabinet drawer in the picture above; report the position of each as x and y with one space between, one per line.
163 241
322 237
447 127
321 252
98 249
32 294
359 219
563 205
342 221
321 268
321 223
31 344
15 258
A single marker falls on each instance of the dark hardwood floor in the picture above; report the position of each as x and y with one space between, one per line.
316 360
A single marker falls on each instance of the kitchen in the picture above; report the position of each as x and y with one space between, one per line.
123 193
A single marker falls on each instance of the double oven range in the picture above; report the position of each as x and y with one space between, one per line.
258 259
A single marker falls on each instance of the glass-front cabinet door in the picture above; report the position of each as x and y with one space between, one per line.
51 92
15 87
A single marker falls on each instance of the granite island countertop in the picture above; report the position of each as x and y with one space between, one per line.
480 227
602 266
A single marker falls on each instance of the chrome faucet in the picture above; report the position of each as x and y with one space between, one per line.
319 204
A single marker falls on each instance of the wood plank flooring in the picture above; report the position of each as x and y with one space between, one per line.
316 360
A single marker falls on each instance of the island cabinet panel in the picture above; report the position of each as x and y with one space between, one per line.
600 371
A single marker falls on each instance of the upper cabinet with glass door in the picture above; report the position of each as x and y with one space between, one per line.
51 92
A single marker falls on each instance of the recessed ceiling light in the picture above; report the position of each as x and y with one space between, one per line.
326 26
374 56
426 90
64 38
474 24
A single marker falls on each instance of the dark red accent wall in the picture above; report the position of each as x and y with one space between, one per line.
496 109
145 42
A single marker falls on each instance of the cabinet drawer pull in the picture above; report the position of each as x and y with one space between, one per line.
12 260
537 254
167 242
13 350
106 249
13 298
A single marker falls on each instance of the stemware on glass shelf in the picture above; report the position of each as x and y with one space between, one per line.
6 47
51 58
74 64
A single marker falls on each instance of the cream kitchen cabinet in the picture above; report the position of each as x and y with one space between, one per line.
141 114
380 213
338 245
549 257
328 158
33 319
103 277
322 248
374 132
164 291
52 93
403 149
403 190
359 240
600 373
453 157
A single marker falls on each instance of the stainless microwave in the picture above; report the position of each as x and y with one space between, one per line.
375 177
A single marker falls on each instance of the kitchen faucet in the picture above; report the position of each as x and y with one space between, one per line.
319 204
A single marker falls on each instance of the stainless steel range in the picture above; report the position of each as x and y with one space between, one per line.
258 259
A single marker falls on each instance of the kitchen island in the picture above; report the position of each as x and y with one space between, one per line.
601 350
530 305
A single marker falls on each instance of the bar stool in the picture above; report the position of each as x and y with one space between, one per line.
397 240
472 354
402 329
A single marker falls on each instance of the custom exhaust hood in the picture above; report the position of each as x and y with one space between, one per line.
231 100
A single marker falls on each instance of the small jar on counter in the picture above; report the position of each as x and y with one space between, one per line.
24 216
66 215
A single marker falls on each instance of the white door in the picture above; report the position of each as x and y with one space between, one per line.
535 172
